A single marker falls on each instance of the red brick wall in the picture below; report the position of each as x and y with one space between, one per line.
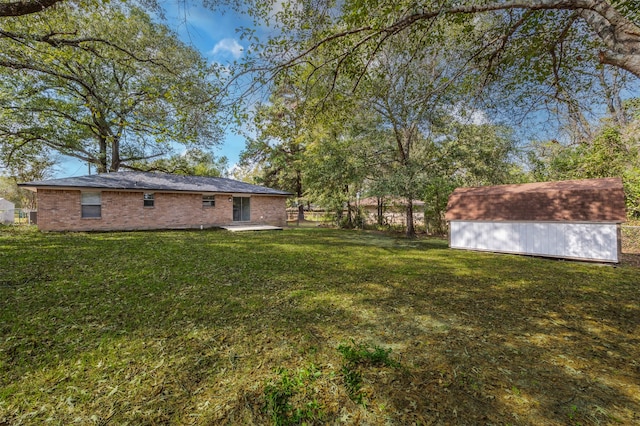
60 210
268 210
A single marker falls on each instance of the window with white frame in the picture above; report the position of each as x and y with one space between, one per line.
91 205
208 201
148 199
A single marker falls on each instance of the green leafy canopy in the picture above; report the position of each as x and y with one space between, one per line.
107 86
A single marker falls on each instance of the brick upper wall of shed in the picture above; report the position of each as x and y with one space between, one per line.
60 210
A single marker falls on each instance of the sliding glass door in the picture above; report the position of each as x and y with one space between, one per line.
241 209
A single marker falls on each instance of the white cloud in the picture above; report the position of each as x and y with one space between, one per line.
465 115
228 45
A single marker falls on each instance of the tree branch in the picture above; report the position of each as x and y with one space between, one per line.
55 39
619 34
20 8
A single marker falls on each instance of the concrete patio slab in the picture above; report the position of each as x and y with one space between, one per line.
242 228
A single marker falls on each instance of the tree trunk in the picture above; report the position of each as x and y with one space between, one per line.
101 164
411 231
350 209
349 223
380 212
620 35
115 155
299 194
339 214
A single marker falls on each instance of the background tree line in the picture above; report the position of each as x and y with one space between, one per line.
400 101
362 97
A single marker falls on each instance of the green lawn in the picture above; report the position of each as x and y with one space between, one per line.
308 325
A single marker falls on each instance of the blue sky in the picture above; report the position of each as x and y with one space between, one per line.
215 35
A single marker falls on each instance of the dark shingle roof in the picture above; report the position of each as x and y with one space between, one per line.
155 182
592 200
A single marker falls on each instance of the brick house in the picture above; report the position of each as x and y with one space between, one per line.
137 201
573 219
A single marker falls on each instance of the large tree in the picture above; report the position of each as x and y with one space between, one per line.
612 27
109 103
614 23
470 153
278 139
346 151
412 88
546 57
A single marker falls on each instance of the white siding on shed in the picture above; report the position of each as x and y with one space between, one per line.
590 241
7 210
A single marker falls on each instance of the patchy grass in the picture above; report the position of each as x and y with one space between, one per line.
361 354
631 243
280 396
631 237
356 357
245 328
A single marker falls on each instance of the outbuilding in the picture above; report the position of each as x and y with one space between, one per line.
137 200
7 211
573 219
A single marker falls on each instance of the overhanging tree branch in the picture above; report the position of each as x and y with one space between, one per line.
20 8
620 36
88 44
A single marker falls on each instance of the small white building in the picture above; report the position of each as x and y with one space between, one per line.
575 219
7 211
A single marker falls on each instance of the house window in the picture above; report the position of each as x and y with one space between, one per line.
91 205
208 201
148 199
241 209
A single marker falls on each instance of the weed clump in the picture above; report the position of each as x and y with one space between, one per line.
362 354
287 398
356 357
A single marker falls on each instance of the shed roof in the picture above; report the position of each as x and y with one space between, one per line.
6 204
588 200
142 181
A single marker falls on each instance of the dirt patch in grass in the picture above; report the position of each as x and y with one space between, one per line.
631 259
631 238
220 328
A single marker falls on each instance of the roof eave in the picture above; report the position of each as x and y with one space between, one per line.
35 188
28 187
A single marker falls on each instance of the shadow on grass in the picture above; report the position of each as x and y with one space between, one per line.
189 326
531 354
